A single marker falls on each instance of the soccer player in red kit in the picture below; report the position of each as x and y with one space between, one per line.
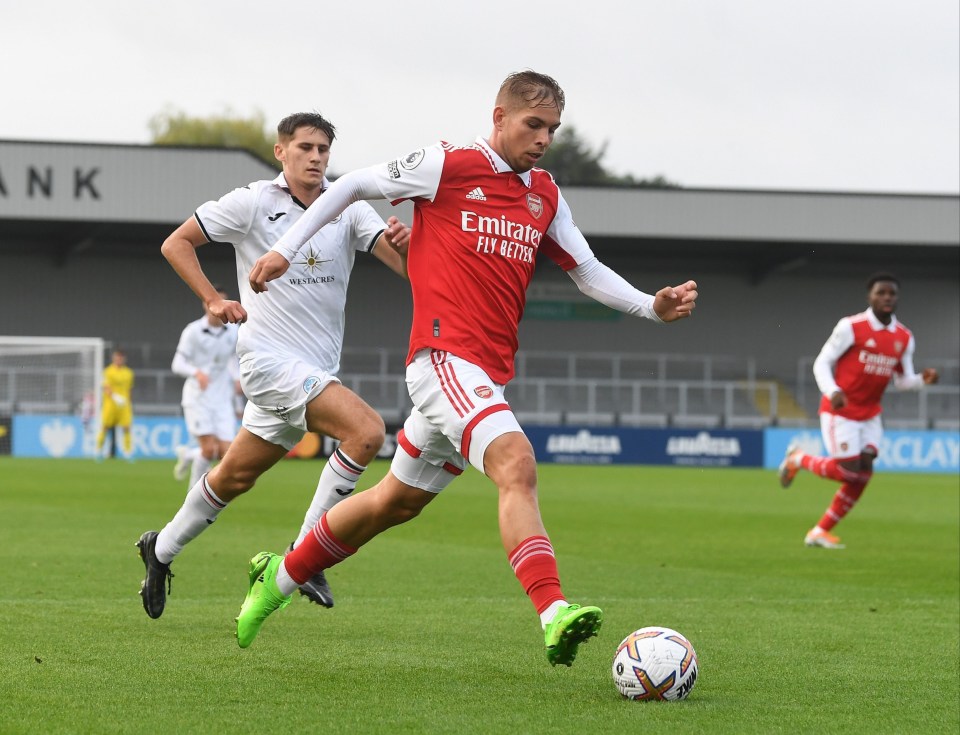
852 371
482 213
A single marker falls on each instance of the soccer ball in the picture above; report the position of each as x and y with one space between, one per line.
655 663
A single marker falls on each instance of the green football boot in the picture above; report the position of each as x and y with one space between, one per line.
571 626
263 597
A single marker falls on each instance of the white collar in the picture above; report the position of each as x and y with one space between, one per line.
878 325
499 165
281 181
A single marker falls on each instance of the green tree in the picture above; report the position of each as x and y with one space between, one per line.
173 127
573 162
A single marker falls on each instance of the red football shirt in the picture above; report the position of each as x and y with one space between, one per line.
866 354
477 229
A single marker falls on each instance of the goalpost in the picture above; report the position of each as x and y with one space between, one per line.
52 375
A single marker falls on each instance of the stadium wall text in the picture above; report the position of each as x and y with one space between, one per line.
156 437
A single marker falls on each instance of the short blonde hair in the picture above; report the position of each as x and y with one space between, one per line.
530 89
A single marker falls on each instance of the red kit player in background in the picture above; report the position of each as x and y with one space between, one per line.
852 371
482 214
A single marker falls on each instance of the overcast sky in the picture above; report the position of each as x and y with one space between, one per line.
848 95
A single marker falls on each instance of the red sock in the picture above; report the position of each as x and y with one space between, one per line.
536 567
846 497
319 550
828 467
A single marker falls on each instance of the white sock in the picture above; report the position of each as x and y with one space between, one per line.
547 615
285 583
337 481
200 508
199 467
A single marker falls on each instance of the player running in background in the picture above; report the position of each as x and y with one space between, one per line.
482 213
288 343
852 371
117 409
207 357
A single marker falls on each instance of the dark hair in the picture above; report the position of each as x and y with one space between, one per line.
288 127
537 90
882 276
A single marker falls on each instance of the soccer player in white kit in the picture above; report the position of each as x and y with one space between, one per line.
206 357
863 354
288 342
481 215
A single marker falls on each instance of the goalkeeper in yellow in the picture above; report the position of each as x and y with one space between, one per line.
117 411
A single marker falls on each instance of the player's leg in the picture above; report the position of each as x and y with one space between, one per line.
421 468
841 463
869 437
843 439
248 458
98 452
470 408
185 457
206 453
509 461
125 424
357 520
339 413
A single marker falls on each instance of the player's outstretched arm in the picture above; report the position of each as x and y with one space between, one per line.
677 302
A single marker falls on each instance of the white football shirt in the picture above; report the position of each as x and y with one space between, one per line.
212 350
302 313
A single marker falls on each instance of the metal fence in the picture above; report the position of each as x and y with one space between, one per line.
592 389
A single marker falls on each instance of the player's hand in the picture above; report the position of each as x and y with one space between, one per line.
203 380
228 312
268 266
397 235
838 400
677 302
930 376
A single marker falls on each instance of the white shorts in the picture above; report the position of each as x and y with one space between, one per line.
458 411
218 420
278 391
848 438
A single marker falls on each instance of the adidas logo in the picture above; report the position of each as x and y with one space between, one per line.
477 194
871 343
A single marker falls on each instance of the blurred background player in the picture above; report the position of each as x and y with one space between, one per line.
852 371
117 409
88 420
207 357
288 343
482 213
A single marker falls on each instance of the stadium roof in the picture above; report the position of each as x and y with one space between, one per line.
71 198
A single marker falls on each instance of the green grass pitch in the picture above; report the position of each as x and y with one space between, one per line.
431 632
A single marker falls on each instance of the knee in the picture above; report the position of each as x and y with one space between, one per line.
401 513
396 508
514 467
368 435
228 484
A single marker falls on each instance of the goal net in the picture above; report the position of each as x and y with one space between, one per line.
51 375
